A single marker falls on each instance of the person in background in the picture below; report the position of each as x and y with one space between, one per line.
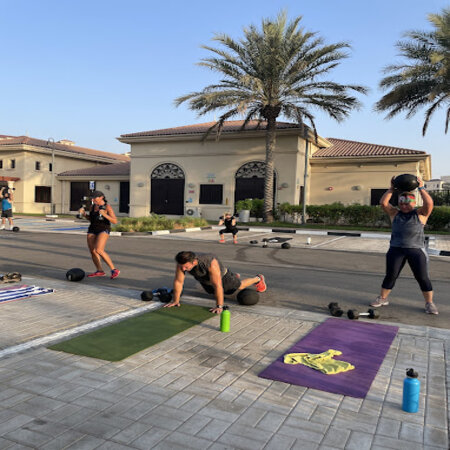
230 227
407 244
7 199
100 216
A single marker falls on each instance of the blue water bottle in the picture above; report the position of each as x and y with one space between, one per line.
411 391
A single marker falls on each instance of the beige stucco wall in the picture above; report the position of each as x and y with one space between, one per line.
24 195
213 162
352 182
110 187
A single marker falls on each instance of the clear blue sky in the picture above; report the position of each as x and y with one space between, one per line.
91 70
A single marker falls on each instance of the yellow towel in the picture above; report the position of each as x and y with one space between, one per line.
323 362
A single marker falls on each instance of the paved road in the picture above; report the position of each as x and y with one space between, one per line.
302 278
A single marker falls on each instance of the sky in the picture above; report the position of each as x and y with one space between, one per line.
91 70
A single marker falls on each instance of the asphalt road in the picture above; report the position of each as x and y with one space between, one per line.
307 279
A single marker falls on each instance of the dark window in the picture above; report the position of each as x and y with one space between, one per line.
376 194
37 165
50 167
1 164
12 164
211 194
42 194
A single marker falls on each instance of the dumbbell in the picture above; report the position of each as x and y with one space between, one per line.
353 314
253 242
164 295
335 309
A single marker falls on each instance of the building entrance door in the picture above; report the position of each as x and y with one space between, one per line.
167 190
250 181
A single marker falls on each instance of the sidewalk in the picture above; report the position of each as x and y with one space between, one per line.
200 388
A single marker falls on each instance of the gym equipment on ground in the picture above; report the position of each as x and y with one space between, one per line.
285 245
16 229
75 274
164 295
10 277
406 182
335 309
253 242
248 297
353 314
275 240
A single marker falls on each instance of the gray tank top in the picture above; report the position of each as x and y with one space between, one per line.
407 231
201 271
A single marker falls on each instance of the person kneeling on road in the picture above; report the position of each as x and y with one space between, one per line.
212 275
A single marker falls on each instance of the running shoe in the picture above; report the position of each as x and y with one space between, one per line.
379 301
430 308
99 273
114 273
234 241
261 284
222 241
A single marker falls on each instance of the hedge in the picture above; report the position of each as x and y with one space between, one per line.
363 215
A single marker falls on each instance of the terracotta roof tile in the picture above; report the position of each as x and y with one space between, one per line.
343 148
25 140
122 168
200 128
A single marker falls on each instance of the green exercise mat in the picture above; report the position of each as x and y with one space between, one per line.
120 340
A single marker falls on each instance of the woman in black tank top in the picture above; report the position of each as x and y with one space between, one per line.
101 216
407 244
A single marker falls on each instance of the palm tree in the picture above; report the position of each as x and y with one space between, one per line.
424 80
272 71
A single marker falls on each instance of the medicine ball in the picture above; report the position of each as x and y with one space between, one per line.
406 182
16 229
75 274
285 245
248 297
146 296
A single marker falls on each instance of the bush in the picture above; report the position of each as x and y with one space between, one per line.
257 209
246 204
155 222
439 219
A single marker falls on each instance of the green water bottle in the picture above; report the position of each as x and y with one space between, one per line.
225 320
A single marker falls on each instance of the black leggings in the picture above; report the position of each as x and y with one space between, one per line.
417 259
233 230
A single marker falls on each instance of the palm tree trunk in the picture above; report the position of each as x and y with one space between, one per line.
268 180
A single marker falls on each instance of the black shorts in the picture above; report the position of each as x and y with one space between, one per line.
97 231
7 213
230 283
229 230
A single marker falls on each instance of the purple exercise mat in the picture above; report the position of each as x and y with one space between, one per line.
362 344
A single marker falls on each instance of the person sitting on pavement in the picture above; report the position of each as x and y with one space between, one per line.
101 216
230 227
7 198
212 275
407 244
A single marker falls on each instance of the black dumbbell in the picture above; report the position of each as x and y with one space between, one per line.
253 242
285 245
353 314
335 309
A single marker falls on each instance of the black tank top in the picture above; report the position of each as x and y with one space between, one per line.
201 271
98 223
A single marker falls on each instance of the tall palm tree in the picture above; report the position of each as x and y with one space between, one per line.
424 80
272 71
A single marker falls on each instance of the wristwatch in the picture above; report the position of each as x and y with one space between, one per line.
219 306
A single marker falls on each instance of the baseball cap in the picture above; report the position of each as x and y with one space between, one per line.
97 194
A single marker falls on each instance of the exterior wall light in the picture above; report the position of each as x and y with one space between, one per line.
140 184
107 187
330 188
284 185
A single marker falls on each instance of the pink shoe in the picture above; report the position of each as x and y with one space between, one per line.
261 284
222 241
99 273
114 273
